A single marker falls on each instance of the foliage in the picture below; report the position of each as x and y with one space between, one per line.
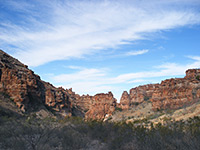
74 133
198 77
146 98
135 103
118 109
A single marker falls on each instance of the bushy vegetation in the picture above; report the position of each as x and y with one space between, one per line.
118 109
74 133
198 77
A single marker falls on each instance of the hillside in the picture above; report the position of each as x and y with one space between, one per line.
35 115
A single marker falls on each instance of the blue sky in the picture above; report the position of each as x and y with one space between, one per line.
97 46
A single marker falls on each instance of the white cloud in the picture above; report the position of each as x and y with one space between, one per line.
139 52
75 67
93 81
194 57
57 30
82 75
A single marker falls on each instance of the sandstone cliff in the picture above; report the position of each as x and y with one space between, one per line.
103 105
170 94
29 92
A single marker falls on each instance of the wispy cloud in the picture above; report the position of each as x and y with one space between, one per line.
194 57
93 80
138 52
57 30
75 67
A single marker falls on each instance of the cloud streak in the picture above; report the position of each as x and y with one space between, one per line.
63 30
90 80
135 53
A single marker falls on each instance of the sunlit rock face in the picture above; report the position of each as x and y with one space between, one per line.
177 93
27 90
102 105
125 101
170 94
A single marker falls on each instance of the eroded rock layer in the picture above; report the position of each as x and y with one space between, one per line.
170 94
29 92
102 105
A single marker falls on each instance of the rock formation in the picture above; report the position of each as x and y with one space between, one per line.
29 92
125 101
102 105
170 94
177 93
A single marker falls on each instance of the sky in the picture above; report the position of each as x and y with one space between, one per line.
96 46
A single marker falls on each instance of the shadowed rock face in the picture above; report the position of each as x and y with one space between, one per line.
170 94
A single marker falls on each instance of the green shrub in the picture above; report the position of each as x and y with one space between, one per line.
146 98
118 109
198 77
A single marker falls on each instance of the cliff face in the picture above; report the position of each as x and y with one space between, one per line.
29 92
170 94
102 105
125 101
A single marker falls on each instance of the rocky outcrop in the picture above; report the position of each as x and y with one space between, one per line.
102 105
137 95
192 74
58 99
27 90
125 101
176 93
170 94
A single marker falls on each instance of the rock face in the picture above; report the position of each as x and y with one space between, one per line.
125 101
170 94
177 93
29 92
102 105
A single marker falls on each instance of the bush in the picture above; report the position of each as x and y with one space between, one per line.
37 134
198 77
118 109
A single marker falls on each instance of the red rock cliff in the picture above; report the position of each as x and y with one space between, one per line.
125 101
27 90
101 105
170 94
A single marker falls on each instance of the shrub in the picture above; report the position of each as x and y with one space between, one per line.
118 109
146 98
198 77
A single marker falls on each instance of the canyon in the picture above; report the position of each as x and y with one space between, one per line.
31 94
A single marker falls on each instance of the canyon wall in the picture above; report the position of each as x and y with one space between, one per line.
29 92
170 94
